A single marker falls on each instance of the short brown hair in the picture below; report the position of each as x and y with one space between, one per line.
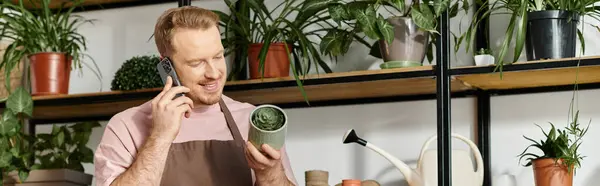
190 17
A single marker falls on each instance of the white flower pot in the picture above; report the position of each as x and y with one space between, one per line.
484 60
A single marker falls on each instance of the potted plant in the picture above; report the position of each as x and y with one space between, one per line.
138 72
270 44
484 57
560 157
536 22
268 126
403 39
48 39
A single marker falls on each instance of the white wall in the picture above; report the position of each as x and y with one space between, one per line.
314 140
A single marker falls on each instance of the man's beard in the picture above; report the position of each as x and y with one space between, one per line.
208 99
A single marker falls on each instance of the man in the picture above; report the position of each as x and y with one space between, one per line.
196 139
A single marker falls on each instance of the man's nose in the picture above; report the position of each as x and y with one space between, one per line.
211 71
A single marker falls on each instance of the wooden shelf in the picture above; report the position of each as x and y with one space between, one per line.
323 87
532 74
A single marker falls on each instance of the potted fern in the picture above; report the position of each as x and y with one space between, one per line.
560 158
48 39
268 126
403 39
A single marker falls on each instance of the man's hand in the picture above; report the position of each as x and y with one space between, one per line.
167 112
267 167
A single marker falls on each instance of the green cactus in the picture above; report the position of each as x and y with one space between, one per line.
268 118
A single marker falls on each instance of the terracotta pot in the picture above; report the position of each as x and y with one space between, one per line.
548 172
277 63
50 73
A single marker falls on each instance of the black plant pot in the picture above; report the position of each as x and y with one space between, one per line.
551 34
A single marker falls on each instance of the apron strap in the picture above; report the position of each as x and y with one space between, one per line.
237 136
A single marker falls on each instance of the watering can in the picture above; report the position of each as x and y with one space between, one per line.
426 172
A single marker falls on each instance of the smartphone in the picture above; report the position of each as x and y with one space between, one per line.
165 69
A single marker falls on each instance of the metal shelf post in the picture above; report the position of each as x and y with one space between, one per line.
483 133
443 102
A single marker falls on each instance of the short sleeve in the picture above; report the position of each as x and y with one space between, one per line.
112 156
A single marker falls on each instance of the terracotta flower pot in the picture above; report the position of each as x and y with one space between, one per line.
50 73
277 63
548 172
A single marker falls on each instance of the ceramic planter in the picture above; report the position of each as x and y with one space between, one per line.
50 73
277 62
551 34
274 137
484 60
52 177
548 172
409 46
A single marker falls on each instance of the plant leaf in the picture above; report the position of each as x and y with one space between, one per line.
386 29
20 101
423 17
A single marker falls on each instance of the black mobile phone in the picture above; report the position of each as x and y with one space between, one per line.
165 69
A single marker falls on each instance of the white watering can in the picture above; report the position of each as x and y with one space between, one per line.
426 172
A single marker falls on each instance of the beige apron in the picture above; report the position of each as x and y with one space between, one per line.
209 162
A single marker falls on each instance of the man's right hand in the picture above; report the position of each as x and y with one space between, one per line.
167 112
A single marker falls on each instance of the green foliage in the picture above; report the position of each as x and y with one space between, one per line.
41 30
138 72
268 118
483 51
559 144
518 21
375 26
252 22
65 147
16 152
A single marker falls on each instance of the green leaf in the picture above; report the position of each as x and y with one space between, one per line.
20 101
23 175
367 21
8 124
423 17
5 158
521 31
386 29
338 13
399 4
440 6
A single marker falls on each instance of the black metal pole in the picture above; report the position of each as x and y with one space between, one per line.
483 133
443 102
482 35
185 3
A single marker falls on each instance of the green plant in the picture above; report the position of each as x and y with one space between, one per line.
559 145
16 151
268 118
41 30
483 51
424 14
252 22
139 72
65 147
517 25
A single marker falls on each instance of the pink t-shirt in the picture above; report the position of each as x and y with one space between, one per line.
126 133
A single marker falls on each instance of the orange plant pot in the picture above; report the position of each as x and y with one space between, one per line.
277 63
50 73
548 172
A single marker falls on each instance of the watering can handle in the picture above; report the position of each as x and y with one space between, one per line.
473 147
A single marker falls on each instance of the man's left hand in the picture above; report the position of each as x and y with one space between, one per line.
266 164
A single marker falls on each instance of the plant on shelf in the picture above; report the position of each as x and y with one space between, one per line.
16 151
560 154
403 39
139 72
268 42
535 22
48 39
484 57
269 126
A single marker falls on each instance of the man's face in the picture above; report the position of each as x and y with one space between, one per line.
200 63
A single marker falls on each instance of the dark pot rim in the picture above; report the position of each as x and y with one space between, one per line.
552 14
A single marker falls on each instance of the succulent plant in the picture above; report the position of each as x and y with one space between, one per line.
268 118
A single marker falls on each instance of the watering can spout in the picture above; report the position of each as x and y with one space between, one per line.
412 177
